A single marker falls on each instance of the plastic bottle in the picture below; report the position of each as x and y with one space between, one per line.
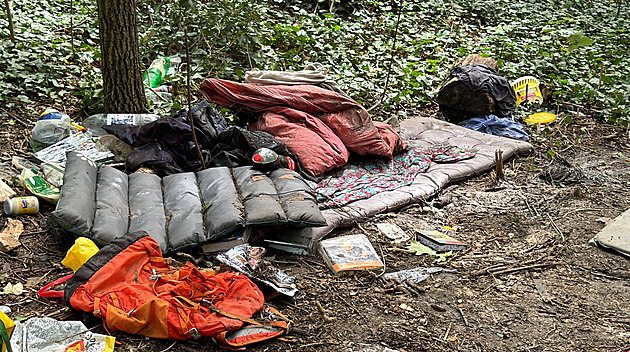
157 71
95 122
21 205
51 127
160 102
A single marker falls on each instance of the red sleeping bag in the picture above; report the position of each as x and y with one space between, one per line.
349 121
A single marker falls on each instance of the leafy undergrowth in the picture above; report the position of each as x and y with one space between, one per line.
393 55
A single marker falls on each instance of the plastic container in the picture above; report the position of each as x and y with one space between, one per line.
527 88
51 127
95 122
82 250
21 205
159 102
157 71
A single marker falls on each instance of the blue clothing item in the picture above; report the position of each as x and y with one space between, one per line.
490 124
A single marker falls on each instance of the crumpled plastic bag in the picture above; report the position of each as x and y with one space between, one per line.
82 250
50 335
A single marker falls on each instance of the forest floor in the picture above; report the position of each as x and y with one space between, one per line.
528 281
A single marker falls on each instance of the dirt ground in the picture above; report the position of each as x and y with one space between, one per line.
528 281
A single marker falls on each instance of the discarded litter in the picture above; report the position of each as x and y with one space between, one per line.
439 241
248 260
159 69
13 289
347 254
10 235
22 163
95 123
540 117
51 127
225 243
82 250
421 249
53 174
527 89
415 275
6 192
79 142
393 232
37 186
21 205
50 335
6 330
615 234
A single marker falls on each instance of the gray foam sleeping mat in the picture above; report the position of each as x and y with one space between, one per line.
180 210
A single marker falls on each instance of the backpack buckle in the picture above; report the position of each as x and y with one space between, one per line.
194 333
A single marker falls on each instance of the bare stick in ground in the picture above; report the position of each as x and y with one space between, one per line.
498 158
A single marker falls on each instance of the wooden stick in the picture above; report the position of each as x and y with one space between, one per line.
556 227
523 268
498 157
463 316
321 310
190 118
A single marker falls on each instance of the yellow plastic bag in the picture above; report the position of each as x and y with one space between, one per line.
8 325
82 250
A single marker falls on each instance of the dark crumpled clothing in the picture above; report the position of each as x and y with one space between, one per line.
490 124
236 145
167 144
208 122
486 79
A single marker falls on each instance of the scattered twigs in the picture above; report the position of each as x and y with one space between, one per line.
521 268
321 310
17 119
448 330
169 347
463 316
553 224
391 58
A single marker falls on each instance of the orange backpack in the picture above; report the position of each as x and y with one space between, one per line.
134 289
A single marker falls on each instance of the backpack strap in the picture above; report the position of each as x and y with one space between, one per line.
236 340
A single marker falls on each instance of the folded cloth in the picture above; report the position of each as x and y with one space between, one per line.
491 124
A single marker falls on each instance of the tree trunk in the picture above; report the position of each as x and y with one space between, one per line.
10 19
458 103
122 73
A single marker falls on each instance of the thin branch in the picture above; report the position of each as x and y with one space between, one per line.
190 118
10 18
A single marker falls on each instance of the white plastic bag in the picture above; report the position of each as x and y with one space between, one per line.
50 335
51 127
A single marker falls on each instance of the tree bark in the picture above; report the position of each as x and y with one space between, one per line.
122 73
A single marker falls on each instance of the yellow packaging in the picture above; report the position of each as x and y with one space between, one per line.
82 250
9 325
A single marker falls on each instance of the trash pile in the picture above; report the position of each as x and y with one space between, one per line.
132 191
